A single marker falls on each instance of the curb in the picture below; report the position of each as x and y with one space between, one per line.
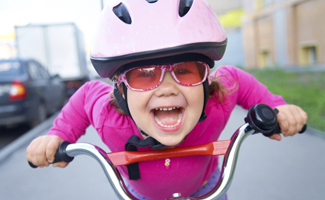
26 138
315 132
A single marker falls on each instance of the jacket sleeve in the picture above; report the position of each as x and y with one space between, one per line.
247 91
81 111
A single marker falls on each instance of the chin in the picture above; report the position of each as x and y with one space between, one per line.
171 141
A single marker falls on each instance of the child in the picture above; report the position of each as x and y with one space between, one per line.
159 54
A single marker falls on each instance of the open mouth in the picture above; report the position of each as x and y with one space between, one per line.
169 117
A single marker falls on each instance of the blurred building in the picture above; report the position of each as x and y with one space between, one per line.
221 7
284 33
230 13
7 45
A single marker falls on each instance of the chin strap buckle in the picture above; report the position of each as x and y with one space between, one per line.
132 144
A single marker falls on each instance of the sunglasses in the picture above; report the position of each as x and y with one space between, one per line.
149 77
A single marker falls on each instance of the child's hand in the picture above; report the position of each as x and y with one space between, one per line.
291 119
41 151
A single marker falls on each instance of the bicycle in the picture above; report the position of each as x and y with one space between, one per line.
260 119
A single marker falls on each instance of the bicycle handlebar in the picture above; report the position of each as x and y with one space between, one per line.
260 119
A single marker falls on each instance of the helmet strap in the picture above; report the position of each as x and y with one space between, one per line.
206 98
122 102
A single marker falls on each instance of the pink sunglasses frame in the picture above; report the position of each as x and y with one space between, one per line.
164 68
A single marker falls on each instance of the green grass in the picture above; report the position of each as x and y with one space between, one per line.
306 90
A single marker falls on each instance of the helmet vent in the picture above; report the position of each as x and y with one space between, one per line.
184 7
122 13
152 1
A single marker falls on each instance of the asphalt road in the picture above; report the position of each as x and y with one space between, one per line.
266 169
8 135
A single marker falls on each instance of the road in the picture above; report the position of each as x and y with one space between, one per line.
7 135
268 170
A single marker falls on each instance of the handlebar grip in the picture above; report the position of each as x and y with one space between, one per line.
60 155
278 129
32 165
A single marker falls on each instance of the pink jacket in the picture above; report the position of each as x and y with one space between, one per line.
90 106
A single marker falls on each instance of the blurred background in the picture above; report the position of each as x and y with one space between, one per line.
264 32
281 42
44 49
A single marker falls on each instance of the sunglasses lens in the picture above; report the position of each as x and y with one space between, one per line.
190 72
146 78
143 77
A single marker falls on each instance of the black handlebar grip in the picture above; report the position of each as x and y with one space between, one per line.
60 154
278 129
32 165
303 129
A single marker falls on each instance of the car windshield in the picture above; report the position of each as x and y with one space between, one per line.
10 68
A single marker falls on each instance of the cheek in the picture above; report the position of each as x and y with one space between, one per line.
137 102
195 98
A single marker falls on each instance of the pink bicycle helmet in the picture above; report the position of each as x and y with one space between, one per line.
130 31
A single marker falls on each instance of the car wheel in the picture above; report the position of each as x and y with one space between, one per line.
41 115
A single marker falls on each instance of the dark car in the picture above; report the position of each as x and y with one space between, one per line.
28 94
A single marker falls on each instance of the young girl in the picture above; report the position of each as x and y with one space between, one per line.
159 54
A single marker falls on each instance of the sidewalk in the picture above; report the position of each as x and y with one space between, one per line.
266 169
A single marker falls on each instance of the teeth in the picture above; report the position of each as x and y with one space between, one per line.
166 109
170 126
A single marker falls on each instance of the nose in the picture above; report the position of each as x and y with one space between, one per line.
168 86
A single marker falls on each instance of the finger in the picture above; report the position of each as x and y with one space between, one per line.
299 120
51 148
283 122
292 121
288 120
300 117
32 149
60 164
276 137
303 117
41 153
29 151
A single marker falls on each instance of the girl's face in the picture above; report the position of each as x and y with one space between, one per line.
169 112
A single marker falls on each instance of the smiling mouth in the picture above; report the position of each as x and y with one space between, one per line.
168 117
